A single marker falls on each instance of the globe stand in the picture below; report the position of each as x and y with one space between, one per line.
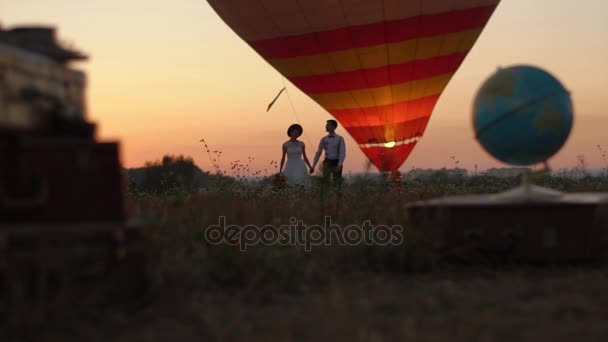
527 223
527 192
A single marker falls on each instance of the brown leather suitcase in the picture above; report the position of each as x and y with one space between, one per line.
562 228
62 215
60 180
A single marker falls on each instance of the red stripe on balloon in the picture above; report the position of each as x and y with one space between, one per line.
374 34
380 77
402 131
389 159
398 112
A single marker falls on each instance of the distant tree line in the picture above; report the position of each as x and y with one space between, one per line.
171 173
180 173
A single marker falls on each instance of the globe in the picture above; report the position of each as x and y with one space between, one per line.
522 115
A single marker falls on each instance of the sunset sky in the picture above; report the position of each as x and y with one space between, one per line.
165 74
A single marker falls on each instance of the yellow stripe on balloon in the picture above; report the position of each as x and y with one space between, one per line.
376 56
383 96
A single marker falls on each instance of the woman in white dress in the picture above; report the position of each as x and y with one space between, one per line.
296 169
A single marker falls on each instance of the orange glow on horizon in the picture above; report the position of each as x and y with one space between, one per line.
163 75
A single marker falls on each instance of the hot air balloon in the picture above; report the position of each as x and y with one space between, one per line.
377 66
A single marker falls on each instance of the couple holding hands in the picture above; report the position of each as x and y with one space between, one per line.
296 171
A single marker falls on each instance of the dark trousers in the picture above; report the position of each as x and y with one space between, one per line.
330 168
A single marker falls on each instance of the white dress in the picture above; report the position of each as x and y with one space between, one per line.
295 170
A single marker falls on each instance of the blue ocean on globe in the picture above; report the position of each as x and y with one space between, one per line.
522 115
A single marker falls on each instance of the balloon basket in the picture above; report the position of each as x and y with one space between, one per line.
525 224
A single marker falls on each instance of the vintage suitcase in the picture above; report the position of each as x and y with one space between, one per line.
62 215
534 225
60 180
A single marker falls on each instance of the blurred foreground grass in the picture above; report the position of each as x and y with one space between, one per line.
204 291
181 219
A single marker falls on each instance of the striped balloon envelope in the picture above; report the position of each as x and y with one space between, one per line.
377 66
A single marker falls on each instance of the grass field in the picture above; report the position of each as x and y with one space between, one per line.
205 291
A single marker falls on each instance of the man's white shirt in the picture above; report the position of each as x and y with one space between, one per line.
334 147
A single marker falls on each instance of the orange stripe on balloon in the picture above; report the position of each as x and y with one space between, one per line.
374 34
398 112
382 96
379 77
377 56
